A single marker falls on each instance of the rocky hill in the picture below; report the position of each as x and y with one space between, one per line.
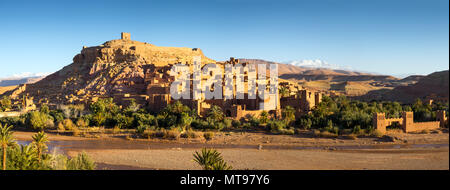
115 67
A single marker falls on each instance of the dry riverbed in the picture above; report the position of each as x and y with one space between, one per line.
257 150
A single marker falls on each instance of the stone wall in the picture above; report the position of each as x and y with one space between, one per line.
380 122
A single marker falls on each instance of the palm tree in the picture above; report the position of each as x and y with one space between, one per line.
215 113
284 92
288 114
210 159
39 142
6 139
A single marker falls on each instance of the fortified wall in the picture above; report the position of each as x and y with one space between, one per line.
380 122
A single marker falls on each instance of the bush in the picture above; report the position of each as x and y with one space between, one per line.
254 122
58 116
236 123
38 120
356 129
276 126
264 117
141 129
61 127
82 123
210 159
228 123
81 162
171 134
352 136
324 134
376 133
68 124
208 135
190 134
5 103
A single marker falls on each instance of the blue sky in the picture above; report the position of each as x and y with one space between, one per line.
390 37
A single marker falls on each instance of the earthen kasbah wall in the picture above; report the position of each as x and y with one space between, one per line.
407 122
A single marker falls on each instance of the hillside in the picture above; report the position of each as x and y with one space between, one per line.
115 67
434 86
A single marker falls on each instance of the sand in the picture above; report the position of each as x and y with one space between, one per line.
279 152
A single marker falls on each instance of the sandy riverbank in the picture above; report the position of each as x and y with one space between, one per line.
278 152
414 159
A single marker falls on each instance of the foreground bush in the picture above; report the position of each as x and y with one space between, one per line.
80 162
210 159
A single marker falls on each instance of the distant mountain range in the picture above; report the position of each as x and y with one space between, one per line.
433 86
19 80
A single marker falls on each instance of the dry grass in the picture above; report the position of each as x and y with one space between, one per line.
208 135
191 134
376 133
350 136
324 134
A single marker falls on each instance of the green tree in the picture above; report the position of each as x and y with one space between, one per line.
288 114
284 92
38 120
5 103
44 109
215 113
39 142
264 117
6 140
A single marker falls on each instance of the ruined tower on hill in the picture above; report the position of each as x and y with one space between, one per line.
126 36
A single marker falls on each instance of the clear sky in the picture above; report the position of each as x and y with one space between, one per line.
393 37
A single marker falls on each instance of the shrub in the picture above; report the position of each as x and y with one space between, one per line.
210 159
287 132
376 133
356 129
324 134
236 123
228 123
276 126
156 134
141 129
190 134
350 136
264 117
81 162
208 135
38 120
82 123
5 103
254 122
171 134
75 131
68 124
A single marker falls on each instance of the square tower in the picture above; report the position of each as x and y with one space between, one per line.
126 36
